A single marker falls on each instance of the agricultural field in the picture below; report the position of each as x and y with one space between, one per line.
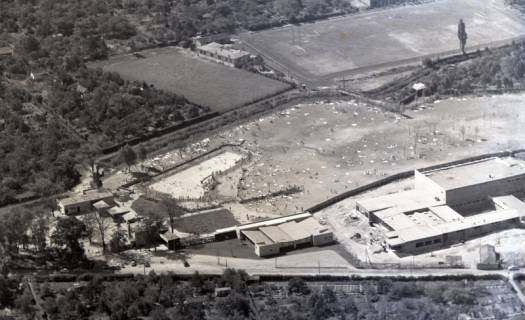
385 38
202 82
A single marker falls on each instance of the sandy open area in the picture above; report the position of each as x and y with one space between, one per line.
188 184
331 147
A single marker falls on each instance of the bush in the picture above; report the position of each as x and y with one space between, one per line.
298 286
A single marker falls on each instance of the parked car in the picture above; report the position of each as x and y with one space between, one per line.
513 268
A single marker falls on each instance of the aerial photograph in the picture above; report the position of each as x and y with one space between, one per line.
262 159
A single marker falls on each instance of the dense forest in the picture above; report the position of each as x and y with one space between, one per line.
144 23
57 112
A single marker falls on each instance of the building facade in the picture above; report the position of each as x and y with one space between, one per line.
450 205
83 203
224 54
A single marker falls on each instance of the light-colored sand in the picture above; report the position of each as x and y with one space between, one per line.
188 183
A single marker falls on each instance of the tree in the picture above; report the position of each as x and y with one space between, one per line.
6 292
173 209
67 235
91 225
297 285
102 224
39 229
462 36
25 303
118 241
5 259
234 304
142 153
16 224
128 156
236 279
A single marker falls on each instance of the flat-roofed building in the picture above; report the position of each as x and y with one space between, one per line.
450 205
171 240
6 51
471 184
273 236
84 203
224 54
264 246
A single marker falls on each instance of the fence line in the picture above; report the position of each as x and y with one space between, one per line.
403 175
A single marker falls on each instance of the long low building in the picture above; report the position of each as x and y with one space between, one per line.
450 205
224 54
85 202
271 237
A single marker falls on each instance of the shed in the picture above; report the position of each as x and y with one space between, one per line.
171 240
222 292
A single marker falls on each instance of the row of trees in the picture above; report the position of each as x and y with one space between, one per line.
498 69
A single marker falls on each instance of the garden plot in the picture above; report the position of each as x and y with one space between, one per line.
192 183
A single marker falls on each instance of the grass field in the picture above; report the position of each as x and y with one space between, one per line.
206 83
204 223
386 37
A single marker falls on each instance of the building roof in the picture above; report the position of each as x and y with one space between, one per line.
264 223
130 216
257 237
5 51
303 229
92 196
169 236
446 213
101 204
421 232
276 234
418 86
395 203
223 50
509 202
476 172
115 211
488 255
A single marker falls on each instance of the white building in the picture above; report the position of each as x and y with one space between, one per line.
450 205
224 54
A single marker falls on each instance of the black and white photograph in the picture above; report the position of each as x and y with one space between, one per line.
262 159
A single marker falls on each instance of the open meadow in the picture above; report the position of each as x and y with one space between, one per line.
384 38
203 82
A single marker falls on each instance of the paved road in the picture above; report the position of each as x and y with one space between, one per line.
515 285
